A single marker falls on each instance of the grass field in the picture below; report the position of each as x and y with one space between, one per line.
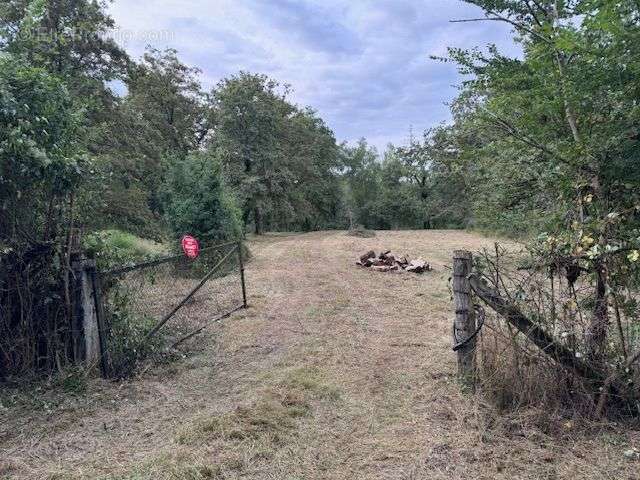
334 372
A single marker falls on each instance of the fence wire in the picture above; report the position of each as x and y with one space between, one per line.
138 299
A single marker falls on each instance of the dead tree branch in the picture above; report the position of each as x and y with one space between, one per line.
533 332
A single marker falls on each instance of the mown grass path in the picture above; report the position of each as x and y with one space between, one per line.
334 372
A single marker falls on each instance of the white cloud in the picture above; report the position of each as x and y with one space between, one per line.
362 64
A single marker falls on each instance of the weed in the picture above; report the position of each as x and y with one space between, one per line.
115 247
73 381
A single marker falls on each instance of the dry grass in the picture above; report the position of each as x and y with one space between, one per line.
334 372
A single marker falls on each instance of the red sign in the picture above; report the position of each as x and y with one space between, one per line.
190 246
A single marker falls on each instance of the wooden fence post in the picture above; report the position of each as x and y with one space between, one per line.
241 266
464 325
86 322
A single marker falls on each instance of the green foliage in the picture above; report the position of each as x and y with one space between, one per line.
40 169
127 333
166 104
199 203
111 198
279 160
65 37
69 39
361 177
40 162
413 186
549 144
538 134
112 248
163 117
250 114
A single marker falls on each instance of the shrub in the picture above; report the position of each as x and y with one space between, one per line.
126 335
40 168
199 203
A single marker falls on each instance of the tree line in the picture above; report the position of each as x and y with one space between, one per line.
542 146
167 156
92 139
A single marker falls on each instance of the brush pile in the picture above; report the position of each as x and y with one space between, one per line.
361 232
388 262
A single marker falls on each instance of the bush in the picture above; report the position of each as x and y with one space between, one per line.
41 165
127 332
199 203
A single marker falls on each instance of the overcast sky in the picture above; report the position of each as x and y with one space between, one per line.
362 64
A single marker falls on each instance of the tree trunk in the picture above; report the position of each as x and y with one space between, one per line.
257 220
600 322
245 219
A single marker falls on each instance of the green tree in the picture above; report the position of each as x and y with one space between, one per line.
310 153
436 186
281 160
250 115
68 38
199 203
40 156
556 136
162 118
397 203
41 166
361 176
166 98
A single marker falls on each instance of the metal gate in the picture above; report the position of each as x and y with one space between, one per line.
166 301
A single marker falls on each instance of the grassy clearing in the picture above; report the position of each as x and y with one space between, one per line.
332 373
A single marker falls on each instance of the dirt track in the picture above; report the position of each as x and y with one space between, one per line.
334 372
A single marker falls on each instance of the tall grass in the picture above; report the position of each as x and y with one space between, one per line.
115 247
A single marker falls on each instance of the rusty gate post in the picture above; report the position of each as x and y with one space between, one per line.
464 325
